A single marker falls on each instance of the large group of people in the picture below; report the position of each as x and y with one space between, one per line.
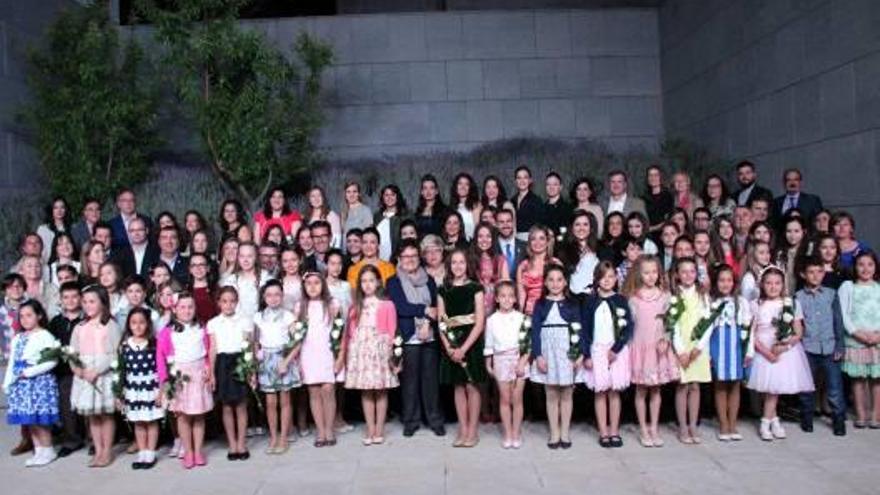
509 302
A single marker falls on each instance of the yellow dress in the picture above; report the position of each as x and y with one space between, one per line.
699 370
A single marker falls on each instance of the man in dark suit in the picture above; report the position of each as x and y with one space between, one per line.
169 253
513 249
747 177
808 204
126 205
140 254
83 229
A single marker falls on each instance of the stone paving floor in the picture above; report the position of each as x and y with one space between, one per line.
817 463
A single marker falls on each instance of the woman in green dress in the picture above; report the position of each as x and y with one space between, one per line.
462 318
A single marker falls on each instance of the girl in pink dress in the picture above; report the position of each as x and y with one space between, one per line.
370 367
654 363
96 340
530 274
184 368
779 366
320 368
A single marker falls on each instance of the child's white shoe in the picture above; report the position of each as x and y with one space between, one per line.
42 456
776 428
175 449
765 432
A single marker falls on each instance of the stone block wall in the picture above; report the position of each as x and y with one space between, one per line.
787 83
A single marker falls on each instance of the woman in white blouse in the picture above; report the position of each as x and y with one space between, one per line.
465 199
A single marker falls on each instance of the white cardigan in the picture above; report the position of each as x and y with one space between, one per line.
37 341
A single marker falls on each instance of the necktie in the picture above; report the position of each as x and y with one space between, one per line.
509 255
792 203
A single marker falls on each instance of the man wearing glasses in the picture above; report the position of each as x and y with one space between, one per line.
140 254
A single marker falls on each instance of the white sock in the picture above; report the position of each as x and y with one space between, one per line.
150 456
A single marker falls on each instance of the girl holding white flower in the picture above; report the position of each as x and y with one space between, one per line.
370 368
727 344
183 362
654 362
319 367
140 384
780 366
96 340
461 310
29 385
278 373
607 329
231 337
693 360
556 322
506 330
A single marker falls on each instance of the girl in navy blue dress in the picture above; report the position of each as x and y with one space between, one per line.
30 387
140 385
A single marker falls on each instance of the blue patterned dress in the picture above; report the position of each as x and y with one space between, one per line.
34 400
726 345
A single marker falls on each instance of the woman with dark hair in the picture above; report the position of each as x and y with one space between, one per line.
453 233
615 229
494 194
578 252
57 220
431 208
392 210
276 210
464 197
231 217
193 222
659 203
491 265
414 294
557 210
63 252
716 197
583 197
843 226
319 210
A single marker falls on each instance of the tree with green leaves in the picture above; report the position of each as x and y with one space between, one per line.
257 112
93 111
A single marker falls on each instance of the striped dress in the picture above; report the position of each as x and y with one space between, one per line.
726 344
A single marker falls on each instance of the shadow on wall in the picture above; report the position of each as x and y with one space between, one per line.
177 188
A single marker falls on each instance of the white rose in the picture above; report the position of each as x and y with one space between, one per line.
787 317
716 305
527 323
743 334
338 322
575 339
673 311
297 336
66 349
398 341
248 357
673 300
559 238
787 301
298 325
244 345
398 351
443 326
55 344
170 360
522 335
621 312
114 364
335 334
621 322
576 326
172 369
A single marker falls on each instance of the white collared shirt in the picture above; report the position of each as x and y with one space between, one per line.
616 205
